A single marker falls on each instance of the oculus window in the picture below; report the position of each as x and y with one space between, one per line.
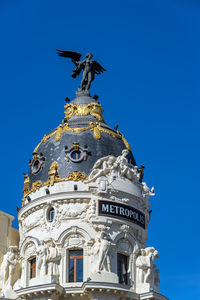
122 268
76 153
50 214
75 265
37 162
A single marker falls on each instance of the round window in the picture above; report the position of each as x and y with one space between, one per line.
37 162
76 155
51 214
36 166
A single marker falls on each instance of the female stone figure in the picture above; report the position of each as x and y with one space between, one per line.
53 257
100 254
8 267
41 259
144 265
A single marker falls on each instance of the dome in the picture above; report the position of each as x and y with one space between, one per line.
76 144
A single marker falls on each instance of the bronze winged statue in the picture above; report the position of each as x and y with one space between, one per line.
90 67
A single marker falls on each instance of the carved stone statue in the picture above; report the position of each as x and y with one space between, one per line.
145 267
123 168
141 172
103 166
100 250
112 167
90 67
53 258
8 268
41 252
146 192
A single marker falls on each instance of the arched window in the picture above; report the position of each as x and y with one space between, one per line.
32 263
122 268
75 265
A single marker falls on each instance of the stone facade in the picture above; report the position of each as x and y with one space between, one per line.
106 217
84 218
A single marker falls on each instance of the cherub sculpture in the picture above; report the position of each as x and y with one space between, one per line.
90 67
103 167
112 167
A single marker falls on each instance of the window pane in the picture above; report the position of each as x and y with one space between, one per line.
79 270
122 268
75 266
71 270
76 155
75 253
33 268
51 214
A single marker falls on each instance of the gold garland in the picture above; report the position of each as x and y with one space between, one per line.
45 138
93 109
95 127
53 178
26 190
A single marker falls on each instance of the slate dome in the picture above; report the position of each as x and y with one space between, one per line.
78 142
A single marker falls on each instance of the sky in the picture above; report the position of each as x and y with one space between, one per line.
151 50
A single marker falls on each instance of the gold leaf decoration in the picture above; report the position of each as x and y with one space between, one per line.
97 133
36 185
59 132
65 128
25 189
53 173
53 178
93 109
76 176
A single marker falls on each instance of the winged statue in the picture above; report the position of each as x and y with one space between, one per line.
90 67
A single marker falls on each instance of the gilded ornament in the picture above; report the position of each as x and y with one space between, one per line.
97 133
59 132
125 143
76 176
53 178
93 109
65 128
96 111
53 173
82 110
25 188
69 111
45 138
36 185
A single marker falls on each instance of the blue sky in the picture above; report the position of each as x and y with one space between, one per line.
151 51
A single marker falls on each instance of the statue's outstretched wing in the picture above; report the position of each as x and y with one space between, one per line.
98 68
70 54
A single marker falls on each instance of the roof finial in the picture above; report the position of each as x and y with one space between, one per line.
90 68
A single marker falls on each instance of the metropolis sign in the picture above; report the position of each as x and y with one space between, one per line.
118 210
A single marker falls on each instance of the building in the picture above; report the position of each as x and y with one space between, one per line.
84 216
